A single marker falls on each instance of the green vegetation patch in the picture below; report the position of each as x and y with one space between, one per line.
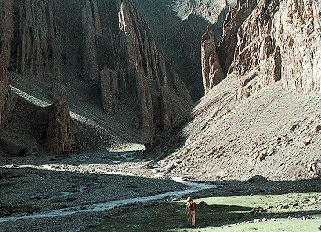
230 213
291 202
289 225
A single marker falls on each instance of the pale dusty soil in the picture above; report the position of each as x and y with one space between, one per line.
37 184
54 182
274 133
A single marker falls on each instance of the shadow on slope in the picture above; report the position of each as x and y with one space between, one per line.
179 40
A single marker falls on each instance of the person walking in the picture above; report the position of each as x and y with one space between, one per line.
190 211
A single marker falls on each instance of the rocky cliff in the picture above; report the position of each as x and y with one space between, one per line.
155 82
273 130
280 41
178 35
110 93
211 67
36 44
91 29
93 48
216 59
232 23
6 32
207 9
30 47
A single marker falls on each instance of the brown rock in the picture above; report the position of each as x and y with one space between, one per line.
109 89
36 45
155 83
317 129
211 68
57 93
315 169
217 60
92 37
146 113
281 41
307 141
61 132
13 148
232 24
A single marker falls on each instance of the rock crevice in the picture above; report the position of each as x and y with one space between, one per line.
217 59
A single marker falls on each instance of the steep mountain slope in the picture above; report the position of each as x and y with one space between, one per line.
99 55
182 24
257 121
274 133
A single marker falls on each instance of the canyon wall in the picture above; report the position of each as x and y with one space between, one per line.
280 41
218 56
6 33
36 44
211 67
104 45
155 83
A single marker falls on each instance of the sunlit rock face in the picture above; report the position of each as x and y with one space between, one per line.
217 56
211 68
232 24
207 9
280 41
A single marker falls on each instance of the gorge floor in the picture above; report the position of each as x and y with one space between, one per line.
37 185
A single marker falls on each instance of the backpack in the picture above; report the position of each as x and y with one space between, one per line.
192 206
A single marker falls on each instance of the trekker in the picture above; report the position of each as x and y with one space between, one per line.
190 212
